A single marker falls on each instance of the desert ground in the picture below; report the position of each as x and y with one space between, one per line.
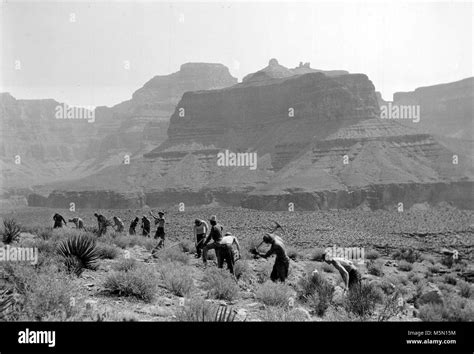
408 271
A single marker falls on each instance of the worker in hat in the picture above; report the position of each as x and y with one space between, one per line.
282 262
215 233
160 229
200 231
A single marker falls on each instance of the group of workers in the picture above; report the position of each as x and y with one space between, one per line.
226 247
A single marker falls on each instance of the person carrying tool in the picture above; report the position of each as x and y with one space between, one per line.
282 262
200 230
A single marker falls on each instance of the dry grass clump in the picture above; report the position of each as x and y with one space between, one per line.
273 294
138 283
176 279
361 300
220 284
316 291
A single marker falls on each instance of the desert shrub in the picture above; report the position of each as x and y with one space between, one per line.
316 291
450 279
392 306
137 283
405 266
409 255
428 258
279 314
11 231
454 309
126 241
172 255
361 300
372 255
263 271
49 298
317 254
176 279
79 253
106 251
273 294
375 268
249 247
114 316
45 233
434 269
125 265
200 310
39 296
220 284
187 246
328 268
243 271
465 289
293 253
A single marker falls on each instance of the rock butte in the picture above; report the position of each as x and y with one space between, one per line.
334 115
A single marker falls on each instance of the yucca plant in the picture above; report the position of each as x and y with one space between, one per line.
6 300
11 231
79 253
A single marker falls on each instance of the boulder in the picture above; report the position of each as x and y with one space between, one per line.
430 293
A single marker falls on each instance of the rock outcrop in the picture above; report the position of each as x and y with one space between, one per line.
446 109
54 149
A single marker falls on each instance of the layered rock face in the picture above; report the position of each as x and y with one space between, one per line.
67 149
318 141
37 146
446 109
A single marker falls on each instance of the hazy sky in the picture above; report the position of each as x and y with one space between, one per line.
400 45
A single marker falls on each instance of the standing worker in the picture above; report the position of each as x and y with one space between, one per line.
133 226
160 230
200 230
215 234
146 226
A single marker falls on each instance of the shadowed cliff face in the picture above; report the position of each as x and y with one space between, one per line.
446 109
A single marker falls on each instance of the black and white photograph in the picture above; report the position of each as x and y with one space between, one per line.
267 164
